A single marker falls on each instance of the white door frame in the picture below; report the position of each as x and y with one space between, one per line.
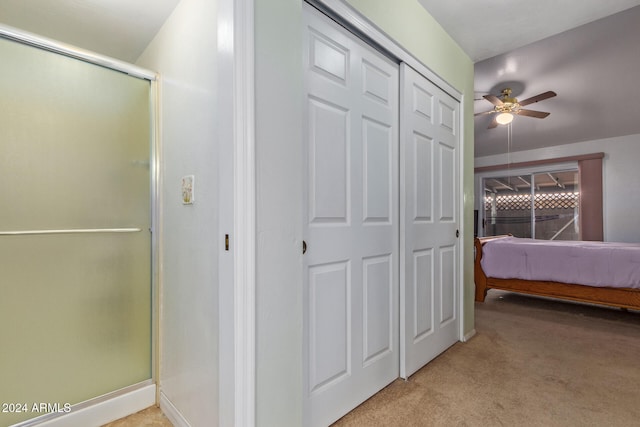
237 266
245 215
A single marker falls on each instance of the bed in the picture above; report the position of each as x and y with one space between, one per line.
592 272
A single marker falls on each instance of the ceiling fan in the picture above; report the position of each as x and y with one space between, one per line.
506 107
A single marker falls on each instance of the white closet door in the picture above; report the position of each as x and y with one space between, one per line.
351 226
430 171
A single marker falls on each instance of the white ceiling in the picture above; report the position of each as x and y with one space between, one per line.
121 29
520 43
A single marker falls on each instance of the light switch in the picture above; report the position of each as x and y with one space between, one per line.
187 190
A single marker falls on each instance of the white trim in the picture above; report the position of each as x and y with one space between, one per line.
469 335
156 232
461 224
225 97
402 295
244 214
237 213
105 411
171 412
31 39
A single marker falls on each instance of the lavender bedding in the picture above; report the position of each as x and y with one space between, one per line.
585 263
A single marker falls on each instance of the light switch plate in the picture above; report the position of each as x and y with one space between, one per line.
187 190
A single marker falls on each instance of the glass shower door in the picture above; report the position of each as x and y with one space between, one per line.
75 245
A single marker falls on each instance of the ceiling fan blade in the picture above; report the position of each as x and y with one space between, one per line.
493 124
483 113
493 99
532 113
541 97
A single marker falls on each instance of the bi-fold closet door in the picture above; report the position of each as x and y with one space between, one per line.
363 326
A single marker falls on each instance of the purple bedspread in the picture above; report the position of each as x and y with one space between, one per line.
584 263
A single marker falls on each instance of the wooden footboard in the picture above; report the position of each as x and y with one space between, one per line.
479 276
616 297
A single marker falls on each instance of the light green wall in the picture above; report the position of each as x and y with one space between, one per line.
409 24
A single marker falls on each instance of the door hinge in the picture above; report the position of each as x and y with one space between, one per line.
226 242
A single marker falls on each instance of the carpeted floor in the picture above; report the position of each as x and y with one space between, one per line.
532 362
150 417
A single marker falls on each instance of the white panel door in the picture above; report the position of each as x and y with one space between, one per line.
429 141
352 221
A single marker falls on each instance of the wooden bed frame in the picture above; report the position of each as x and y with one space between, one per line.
616 297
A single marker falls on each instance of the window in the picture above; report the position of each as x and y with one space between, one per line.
556 199
543 205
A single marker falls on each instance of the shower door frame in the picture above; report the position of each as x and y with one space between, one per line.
136 391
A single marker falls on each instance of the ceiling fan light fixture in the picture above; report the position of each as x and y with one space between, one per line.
504 118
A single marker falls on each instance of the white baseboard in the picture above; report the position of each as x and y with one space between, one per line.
106 411
468 335
171 412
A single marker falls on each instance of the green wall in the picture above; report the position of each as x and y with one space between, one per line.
409 24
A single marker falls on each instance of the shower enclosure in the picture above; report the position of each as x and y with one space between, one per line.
75 231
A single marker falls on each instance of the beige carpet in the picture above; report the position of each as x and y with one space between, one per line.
150 417
532 362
